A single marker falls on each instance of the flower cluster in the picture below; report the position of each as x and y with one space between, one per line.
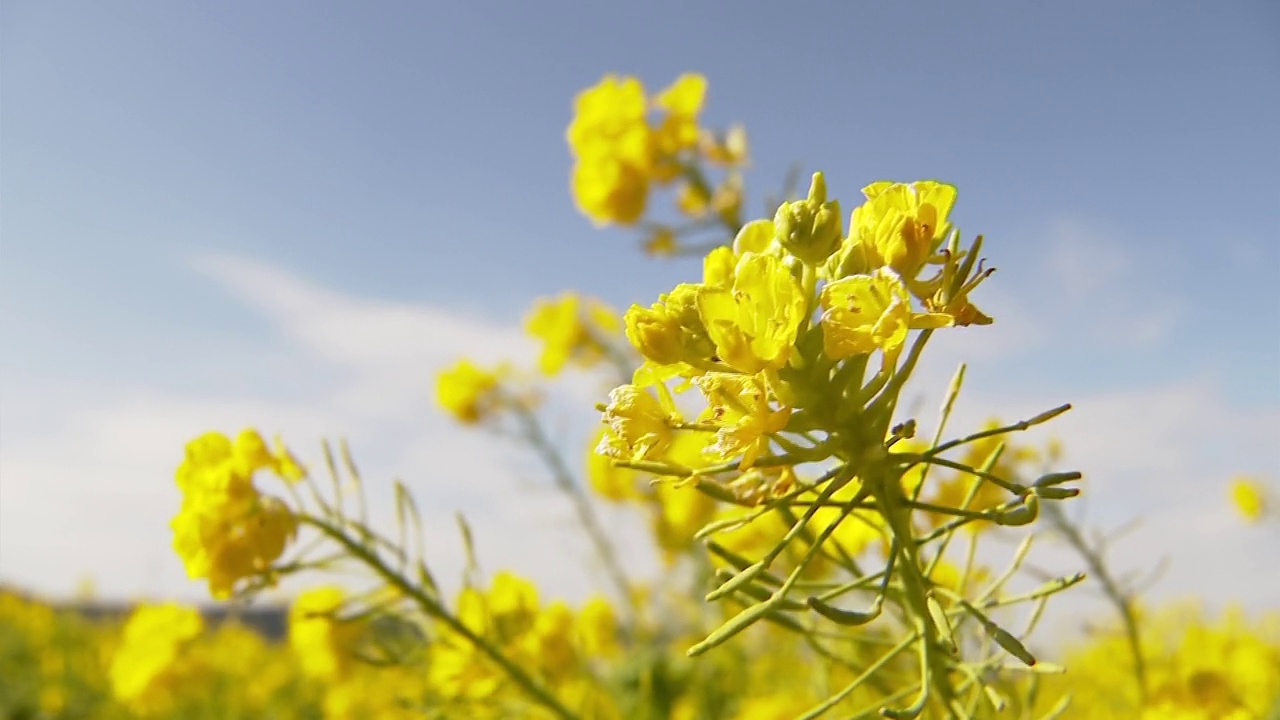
620 153
779 330
553 642
227 530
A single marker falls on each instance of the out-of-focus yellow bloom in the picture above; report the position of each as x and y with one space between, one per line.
729 149
598 628
774 707
739 405
608 480
671 331
226 530
1196 669
900 224
661 243
618 154
754 324
469 393
865 313
639 425
571 328
322 641
1249 497
550 641
682 101
613 144
151 668
513 604
376 693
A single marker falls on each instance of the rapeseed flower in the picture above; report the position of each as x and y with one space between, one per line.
865 313
468 392
571 328
754 323
227 530
900 225
322 641
152 666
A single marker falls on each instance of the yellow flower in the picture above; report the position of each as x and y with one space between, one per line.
1249 497
682 101
227 541
598 628
226 530
865 313
513 604
151 667
739 405
638 425
609 190
611 139
322 642
901 225
467 392
671 331
550 641
754 324
571 329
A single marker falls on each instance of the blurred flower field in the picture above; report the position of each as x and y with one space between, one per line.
822 543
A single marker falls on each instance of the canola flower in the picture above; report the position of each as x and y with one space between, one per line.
227 530
1251 498
152 664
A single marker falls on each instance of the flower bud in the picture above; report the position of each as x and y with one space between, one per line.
810 229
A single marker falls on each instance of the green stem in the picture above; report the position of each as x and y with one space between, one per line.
1122 600
915 591
565 481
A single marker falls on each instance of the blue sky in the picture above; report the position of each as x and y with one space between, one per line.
219 213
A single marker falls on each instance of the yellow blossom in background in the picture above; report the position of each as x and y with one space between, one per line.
1197 668
678 131
613 144
1249 497
551 641
151 667
571 328
597 628
322 641
468 392
618 153
376 693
